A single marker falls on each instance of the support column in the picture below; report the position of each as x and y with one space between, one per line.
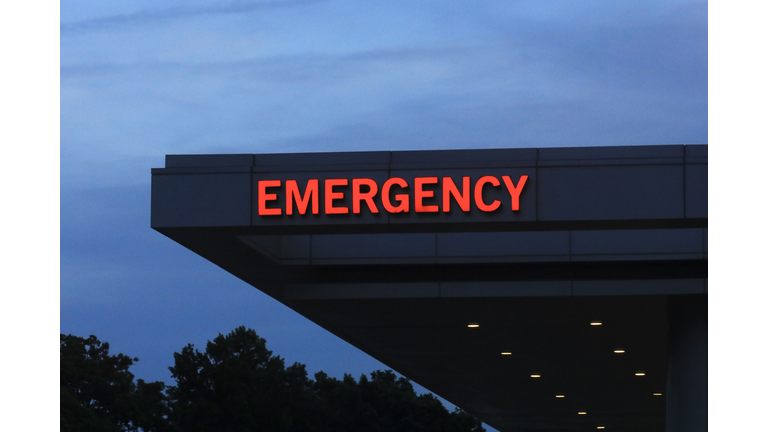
687 364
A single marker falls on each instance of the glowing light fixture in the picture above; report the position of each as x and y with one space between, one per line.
582 412
619 351
596 323
657 394
473 325
506 353
535 376
639 373
559 396
601 427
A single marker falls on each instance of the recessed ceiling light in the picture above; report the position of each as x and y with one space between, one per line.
601 427
473 325
619 351
506 353
639 373
596 323
582 412
657 394
535 376
559 396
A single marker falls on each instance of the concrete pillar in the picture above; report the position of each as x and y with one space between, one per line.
687 364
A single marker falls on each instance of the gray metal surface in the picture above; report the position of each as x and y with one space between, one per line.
602 233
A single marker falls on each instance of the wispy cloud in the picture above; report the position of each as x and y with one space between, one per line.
281 65
160 15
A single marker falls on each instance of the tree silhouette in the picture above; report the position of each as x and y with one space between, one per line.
238 385
97 393
386 403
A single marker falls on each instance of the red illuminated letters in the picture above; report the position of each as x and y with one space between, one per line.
358 195
330 195
292 194
401 198
449 189
419 194
479 194
514 191
366 190
264 197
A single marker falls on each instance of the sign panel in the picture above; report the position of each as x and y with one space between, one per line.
394 196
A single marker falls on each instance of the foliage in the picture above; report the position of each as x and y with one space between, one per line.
237 385
386 403
97 392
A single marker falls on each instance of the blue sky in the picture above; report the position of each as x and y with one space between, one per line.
142 79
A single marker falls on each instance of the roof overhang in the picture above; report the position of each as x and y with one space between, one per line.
600 234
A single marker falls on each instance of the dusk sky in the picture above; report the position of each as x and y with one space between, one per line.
142 79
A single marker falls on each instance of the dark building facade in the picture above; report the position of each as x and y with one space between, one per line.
539 289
